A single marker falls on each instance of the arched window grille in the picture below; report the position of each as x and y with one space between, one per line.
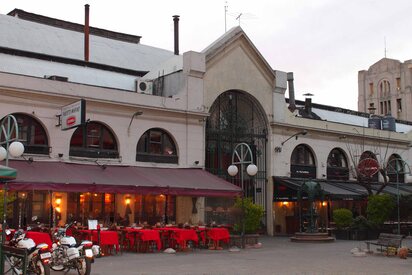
32 134
155 145
337 165
302 162
93 140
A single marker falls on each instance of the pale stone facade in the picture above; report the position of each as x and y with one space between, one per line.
230 63
387 87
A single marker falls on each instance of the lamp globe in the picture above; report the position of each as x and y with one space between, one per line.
251 170
232 170
16 149
3 153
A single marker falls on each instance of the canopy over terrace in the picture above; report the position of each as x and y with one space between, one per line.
70 177
331 189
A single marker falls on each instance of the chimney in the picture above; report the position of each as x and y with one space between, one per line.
292 105
176 21
86 32
308 106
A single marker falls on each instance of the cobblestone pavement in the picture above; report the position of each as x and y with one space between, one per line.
277 256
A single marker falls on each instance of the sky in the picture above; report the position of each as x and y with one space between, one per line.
325 43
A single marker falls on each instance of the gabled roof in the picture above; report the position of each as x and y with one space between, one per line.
228 38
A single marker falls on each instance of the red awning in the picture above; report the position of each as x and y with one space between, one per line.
70 177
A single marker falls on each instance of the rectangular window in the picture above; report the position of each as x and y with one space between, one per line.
398 83
370 89
389 107
399 105
385 104
381 110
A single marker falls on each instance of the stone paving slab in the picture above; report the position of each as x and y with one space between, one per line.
278 255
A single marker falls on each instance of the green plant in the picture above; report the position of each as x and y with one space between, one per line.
379 208
361 223
253 215
9 200
342 217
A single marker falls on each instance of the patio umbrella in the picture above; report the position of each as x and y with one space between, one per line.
7 173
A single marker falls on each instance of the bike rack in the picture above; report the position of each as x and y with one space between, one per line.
9 251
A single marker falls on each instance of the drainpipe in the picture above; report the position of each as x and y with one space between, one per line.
86 32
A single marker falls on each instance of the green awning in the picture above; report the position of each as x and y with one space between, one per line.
7 173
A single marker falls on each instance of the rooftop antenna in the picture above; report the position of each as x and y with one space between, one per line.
226 6
308 94
238 17
384 42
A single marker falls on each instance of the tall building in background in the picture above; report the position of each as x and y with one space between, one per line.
386 88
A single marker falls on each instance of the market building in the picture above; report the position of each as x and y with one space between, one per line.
160 129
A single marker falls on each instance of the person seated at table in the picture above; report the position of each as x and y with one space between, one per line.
186 225
120 220
158 225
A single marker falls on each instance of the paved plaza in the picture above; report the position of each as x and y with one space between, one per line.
277 256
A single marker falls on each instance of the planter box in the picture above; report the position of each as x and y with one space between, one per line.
356 235
341 234
250 239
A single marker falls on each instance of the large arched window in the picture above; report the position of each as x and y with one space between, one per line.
384 88
32 135
237 117
93 140
155 145
395 169
302 162
337 165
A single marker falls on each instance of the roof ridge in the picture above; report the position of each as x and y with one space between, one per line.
54 22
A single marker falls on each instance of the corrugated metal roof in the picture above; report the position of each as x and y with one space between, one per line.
75 74
25 35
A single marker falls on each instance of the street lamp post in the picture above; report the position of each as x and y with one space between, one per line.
398 166
242 155
9 135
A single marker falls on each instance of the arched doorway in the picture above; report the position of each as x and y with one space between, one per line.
237 117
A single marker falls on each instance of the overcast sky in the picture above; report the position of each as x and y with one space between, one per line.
324 42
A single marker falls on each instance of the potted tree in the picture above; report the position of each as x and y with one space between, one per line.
343 219
253 214
378 211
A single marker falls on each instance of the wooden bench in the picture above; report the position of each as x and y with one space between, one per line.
386 240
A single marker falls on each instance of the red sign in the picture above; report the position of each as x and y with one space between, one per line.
368 167
71 120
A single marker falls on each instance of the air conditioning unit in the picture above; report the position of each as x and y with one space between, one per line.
144 87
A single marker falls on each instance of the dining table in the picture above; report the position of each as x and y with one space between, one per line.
104 238
182 236
215 235
144 237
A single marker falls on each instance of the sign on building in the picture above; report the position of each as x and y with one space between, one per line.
73 115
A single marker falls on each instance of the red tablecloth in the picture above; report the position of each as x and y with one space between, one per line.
39 237
218 234
144 235
106 237
183 235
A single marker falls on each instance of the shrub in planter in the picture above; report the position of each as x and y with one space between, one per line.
342 217
253 215
360 223
362 229
379 208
